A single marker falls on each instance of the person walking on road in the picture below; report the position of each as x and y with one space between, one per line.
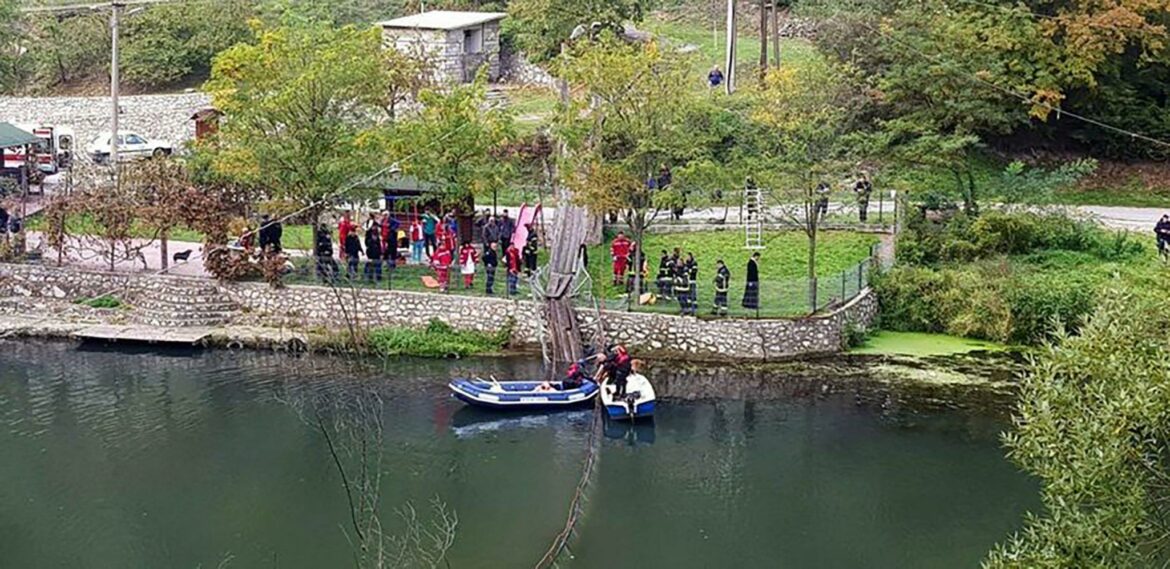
1162 233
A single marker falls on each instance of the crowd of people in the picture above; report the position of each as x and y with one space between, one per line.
427 239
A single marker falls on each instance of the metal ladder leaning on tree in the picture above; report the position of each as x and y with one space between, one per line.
753 217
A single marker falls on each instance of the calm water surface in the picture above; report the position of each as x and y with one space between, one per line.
174 459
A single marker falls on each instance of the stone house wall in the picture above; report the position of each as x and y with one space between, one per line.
446 49
650 335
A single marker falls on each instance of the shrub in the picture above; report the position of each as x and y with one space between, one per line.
104 301
438 339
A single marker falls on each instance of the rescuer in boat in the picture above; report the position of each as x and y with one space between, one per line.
617 367
575 376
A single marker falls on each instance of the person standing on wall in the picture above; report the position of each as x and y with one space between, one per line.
491 260
722 285
751 290
863 189
620 251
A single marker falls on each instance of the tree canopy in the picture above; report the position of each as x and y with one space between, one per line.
305 106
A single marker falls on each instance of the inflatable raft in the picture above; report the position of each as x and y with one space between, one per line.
520 394
638 402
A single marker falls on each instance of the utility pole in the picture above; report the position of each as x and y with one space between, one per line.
730 64
115 9
763 39
776 34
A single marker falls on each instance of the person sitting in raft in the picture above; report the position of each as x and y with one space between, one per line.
575 376
545 386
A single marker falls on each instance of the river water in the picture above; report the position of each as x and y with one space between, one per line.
212 459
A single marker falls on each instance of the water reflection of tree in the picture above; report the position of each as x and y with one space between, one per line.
350 421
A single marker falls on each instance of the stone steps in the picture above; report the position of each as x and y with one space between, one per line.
183 303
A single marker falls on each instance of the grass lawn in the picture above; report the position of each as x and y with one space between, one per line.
919 344
783 268
712 47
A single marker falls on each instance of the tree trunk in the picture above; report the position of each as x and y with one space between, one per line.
162 251
812 271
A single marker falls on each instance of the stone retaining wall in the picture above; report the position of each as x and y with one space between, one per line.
313 307
162 117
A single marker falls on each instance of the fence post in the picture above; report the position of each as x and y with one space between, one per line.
812 295
860 276
843 292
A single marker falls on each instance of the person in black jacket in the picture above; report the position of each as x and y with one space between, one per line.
353 252
722 285
693 275
323 247
665 275
529 253
374 253
491 260
751 291
1162 233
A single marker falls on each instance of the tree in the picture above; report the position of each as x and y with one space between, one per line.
160 187
806 115
454 142
541 26
1092 425
304 106
631 115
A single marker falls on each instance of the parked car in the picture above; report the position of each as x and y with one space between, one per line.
131 146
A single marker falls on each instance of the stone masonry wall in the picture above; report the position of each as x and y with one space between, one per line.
650 335
164 117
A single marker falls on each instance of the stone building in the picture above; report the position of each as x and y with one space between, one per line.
459 42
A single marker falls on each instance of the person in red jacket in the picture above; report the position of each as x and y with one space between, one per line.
417 241
620 249
512 260
441 263
344 228
468 257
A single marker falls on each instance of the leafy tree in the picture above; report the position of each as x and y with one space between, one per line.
303 106
541 26
806 115
632 113
453 144
1092 425
170 42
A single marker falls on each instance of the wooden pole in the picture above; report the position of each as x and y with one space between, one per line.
729 76
776 34
763 39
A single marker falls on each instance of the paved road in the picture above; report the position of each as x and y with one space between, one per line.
1131 218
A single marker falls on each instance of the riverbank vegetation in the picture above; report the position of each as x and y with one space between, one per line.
437 340
1006 277
1092 426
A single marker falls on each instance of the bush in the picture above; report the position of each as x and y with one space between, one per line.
104 301
438 339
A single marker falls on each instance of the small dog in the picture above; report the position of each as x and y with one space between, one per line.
181 256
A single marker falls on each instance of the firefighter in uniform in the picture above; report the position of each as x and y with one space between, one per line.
682 290
722 284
